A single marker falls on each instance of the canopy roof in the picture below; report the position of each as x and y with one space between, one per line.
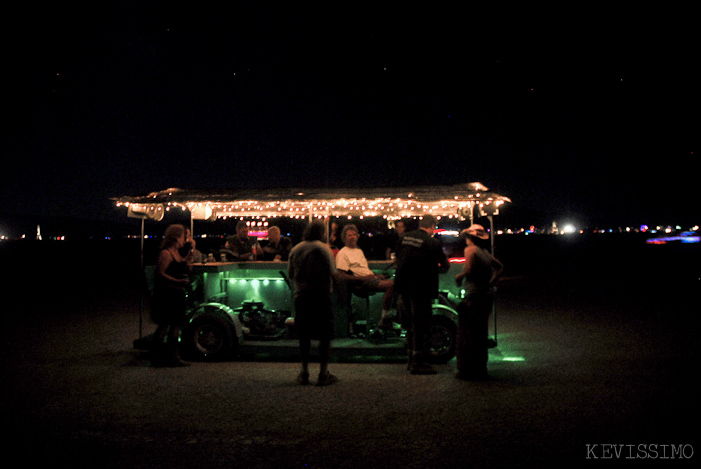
391 203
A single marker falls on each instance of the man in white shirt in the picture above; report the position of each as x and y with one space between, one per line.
352 266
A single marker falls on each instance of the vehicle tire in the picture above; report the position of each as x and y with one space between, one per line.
440 340
208 338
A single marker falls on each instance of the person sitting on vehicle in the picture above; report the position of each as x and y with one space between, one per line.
352 266
278 249
241 247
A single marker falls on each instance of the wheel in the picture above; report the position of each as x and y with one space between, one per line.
208 338
440 340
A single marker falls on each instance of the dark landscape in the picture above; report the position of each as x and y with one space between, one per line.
581 114
597 345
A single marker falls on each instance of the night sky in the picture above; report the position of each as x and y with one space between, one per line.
584 113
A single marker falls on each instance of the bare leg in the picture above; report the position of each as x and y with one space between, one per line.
324 354
325 378
388 287
305 345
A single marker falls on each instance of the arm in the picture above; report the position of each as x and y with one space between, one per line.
469 254
243 254
255 248
497 269
286 245
347 276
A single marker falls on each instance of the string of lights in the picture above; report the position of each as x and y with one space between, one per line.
458 201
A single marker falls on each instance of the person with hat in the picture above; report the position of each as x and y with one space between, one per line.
478 276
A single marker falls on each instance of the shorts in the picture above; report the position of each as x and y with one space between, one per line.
314 316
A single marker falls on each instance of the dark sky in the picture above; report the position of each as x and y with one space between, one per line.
584 112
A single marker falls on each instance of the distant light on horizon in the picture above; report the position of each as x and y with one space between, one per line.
568 229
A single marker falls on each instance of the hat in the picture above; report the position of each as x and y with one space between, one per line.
477 231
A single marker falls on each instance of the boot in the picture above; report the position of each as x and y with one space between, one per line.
172 357
157 353
419 367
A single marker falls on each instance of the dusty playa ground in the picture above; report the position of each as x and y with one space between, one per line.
593 350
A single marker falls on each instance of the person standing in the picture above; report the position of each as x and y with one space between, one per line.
168 309
419 261
479 274
311 269
335 237
394 240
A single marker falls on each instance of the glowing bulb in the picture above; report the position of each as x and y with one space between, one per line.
569 228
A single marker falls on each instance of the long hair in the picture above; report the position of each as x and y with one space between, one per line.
171 235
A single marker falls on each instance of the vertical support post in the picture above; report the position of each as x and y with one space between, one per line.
491 242
143 273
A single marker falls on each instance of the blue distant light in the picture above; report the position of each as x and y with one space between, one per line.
686 237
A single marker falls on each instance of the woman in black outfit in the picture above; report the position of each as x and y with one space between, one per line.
478 277
169 297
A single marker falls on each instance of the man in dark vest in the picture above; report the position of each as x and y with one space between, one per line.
419 261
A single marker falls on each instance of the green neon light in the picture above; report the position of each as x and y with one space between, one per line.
266 281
